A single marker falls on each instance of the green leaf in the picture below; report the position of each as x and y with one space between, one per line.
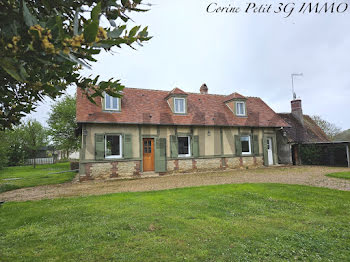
116 32
76 21
134 31
90 31
29 19
95 13
11 67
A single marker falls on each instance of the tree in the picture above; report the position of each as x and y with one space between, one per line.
35 136
43 45
62 125
3 150
16 150
343 136
331 130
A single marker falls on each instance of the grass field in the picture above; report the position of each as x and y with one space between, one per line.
29 176
246 222
344 175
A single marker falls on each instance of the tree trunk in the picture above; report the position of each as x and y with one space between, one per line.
34 162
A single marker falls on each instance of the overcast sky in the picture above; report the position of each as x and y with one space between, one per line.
253 54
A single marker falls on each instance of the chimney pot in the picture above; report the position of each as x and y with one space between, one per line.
204 89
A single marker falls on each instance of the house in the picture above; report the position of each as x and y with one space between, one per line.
306 143
156 132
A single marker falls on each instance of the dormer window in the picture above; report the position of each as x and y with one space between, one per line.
111 103
179 105
240 108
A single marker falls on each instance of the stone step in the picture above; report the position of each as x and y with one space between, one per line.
149 174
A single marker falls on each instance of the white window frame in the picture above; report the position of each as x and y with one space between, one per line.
184 100
250 145
189 147
244 109
107 96
120 147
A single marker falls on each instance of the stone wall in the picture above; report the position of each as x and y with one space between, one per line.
128 169
207 164
108 170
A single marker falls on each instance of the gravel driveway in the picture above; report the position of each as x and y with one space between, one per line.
306 175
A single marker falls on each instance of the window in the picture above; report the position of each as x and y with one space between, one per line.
179 105
246 145
113 146
111 103
240 109
184 148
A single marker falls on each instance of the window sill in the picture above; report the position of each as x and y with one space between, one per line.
111 110
113 157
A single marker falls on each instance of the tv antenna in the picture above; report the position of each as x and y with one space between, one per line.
294 75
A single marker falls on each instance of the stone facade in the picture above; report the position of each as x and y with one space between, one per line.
207 164
129 169
108 170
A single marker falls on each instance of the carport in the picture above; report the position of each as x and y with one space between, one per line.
325 153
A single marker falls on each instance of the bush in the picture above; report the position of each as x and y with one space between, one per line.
74 165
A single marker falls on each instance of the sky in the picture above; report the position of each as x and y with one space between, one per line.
253 54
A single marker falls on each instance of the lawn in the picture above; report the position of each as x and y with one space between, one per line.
344 175
29 176
246 222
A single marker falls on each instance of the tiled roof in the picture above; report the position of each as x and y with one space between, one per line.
234 96
176 91
310 132
142 106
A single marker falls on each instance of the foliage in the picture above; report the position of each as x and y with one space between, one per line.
62 124
3 150
330 129
247 222
35 136
343 175
16 151
43 45
343 136
310 154
28 176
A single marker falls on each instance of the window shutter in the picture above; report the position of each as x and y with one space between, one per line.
127 146
160 155
195 146
99 146
238 146
173 146
266 160
274 150
256 145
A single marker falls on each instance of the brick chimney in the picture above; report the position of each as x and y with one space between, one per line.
204 89
297 110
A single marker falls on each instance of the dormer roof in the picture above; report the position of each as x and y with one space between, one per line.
234 96
176 91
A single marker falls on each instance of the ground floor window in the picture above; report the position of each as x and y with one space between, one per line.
113 146
184 148
246 145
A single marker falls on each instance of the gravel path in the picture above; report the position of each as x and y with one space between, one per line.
306 175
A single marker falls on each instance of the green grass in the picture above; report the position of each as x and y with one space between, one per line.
344 175
247 222
30 176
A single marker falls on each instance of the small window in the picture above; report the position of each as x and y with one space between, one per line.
246 145
111 103
240 109
113 146
179 105
184 147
